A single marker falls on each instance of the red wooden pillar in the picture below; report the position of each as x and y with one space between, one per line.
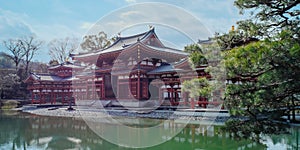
62 97
54 98
200 102
139 86
185 97
69 97
159 95
87 91
118 88
146 86
172 97
168 91
66 97
32 96
40 97
51 97
192 103
43 97
93 90
103 87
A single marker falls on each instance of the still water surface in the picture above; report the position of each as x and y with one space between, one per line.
30 132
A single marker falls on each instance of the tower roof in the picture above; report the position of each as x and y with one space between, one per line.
65 65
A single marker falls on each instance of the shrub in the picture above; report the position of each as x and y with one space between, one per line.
9 104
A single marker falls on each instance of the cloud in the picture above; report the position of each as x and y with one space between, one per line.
157 14
16 25
130 1
55 31
129 14
215 15
86 25
12 25
198 19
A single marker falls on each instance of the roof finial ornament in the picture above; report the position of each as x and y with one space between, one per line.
150 27
119 34
66 60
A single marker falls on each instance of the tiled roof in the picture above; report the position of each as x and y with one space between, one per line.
163 69
119 44
49 77
125 42
67 65
167 49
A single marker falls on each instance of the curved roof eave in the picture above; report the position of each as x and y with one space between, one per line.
142 35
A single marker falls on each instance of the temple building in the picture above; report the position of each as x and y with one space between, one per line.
54 86
138 67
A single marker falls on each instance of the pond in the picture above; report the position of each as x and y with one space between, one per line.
26 131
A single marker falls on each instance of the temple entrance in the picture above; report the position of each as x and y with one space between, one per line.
109 84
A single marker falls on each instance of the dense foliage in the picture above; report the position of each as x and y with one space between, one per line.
95 42
196 57
198 87
262 59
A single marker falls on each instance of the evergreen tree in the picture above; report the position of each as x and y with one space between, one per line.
262 58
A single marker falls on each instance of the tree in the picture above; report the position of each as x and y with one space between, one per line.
8 82
42 68
60 49
196 57
205 55
237 38
53 62
192 48
95 42
262 59
29 46
14 47
273 13
39 67
4 62
22 49
197 87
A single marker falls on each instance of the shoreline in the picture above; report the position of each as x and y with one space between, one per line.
81 112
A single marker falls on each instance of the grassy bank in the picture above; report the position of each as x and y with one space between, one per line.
9 104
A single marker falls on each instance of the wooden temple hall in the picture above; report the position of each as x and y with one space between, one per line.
134 68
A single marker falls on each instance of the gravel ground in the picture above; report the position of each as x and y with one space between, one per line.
156 114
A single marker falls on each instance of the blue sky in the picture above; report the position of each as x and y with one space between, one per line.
56 19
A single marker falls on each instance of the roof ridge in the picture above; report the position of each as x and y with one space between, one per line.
133 36
165 47
48 74
118 39
128 37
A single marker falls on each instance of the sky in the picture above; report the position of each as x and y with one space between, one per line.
177 22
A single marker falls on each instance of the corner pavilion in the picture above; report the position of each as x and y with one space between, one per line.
138 67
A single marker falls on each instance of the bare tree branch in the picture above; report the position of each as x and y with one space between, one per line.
30 47
60 49
16 52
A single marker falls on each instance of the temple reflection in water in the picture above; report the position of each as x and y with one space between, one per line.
24 131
